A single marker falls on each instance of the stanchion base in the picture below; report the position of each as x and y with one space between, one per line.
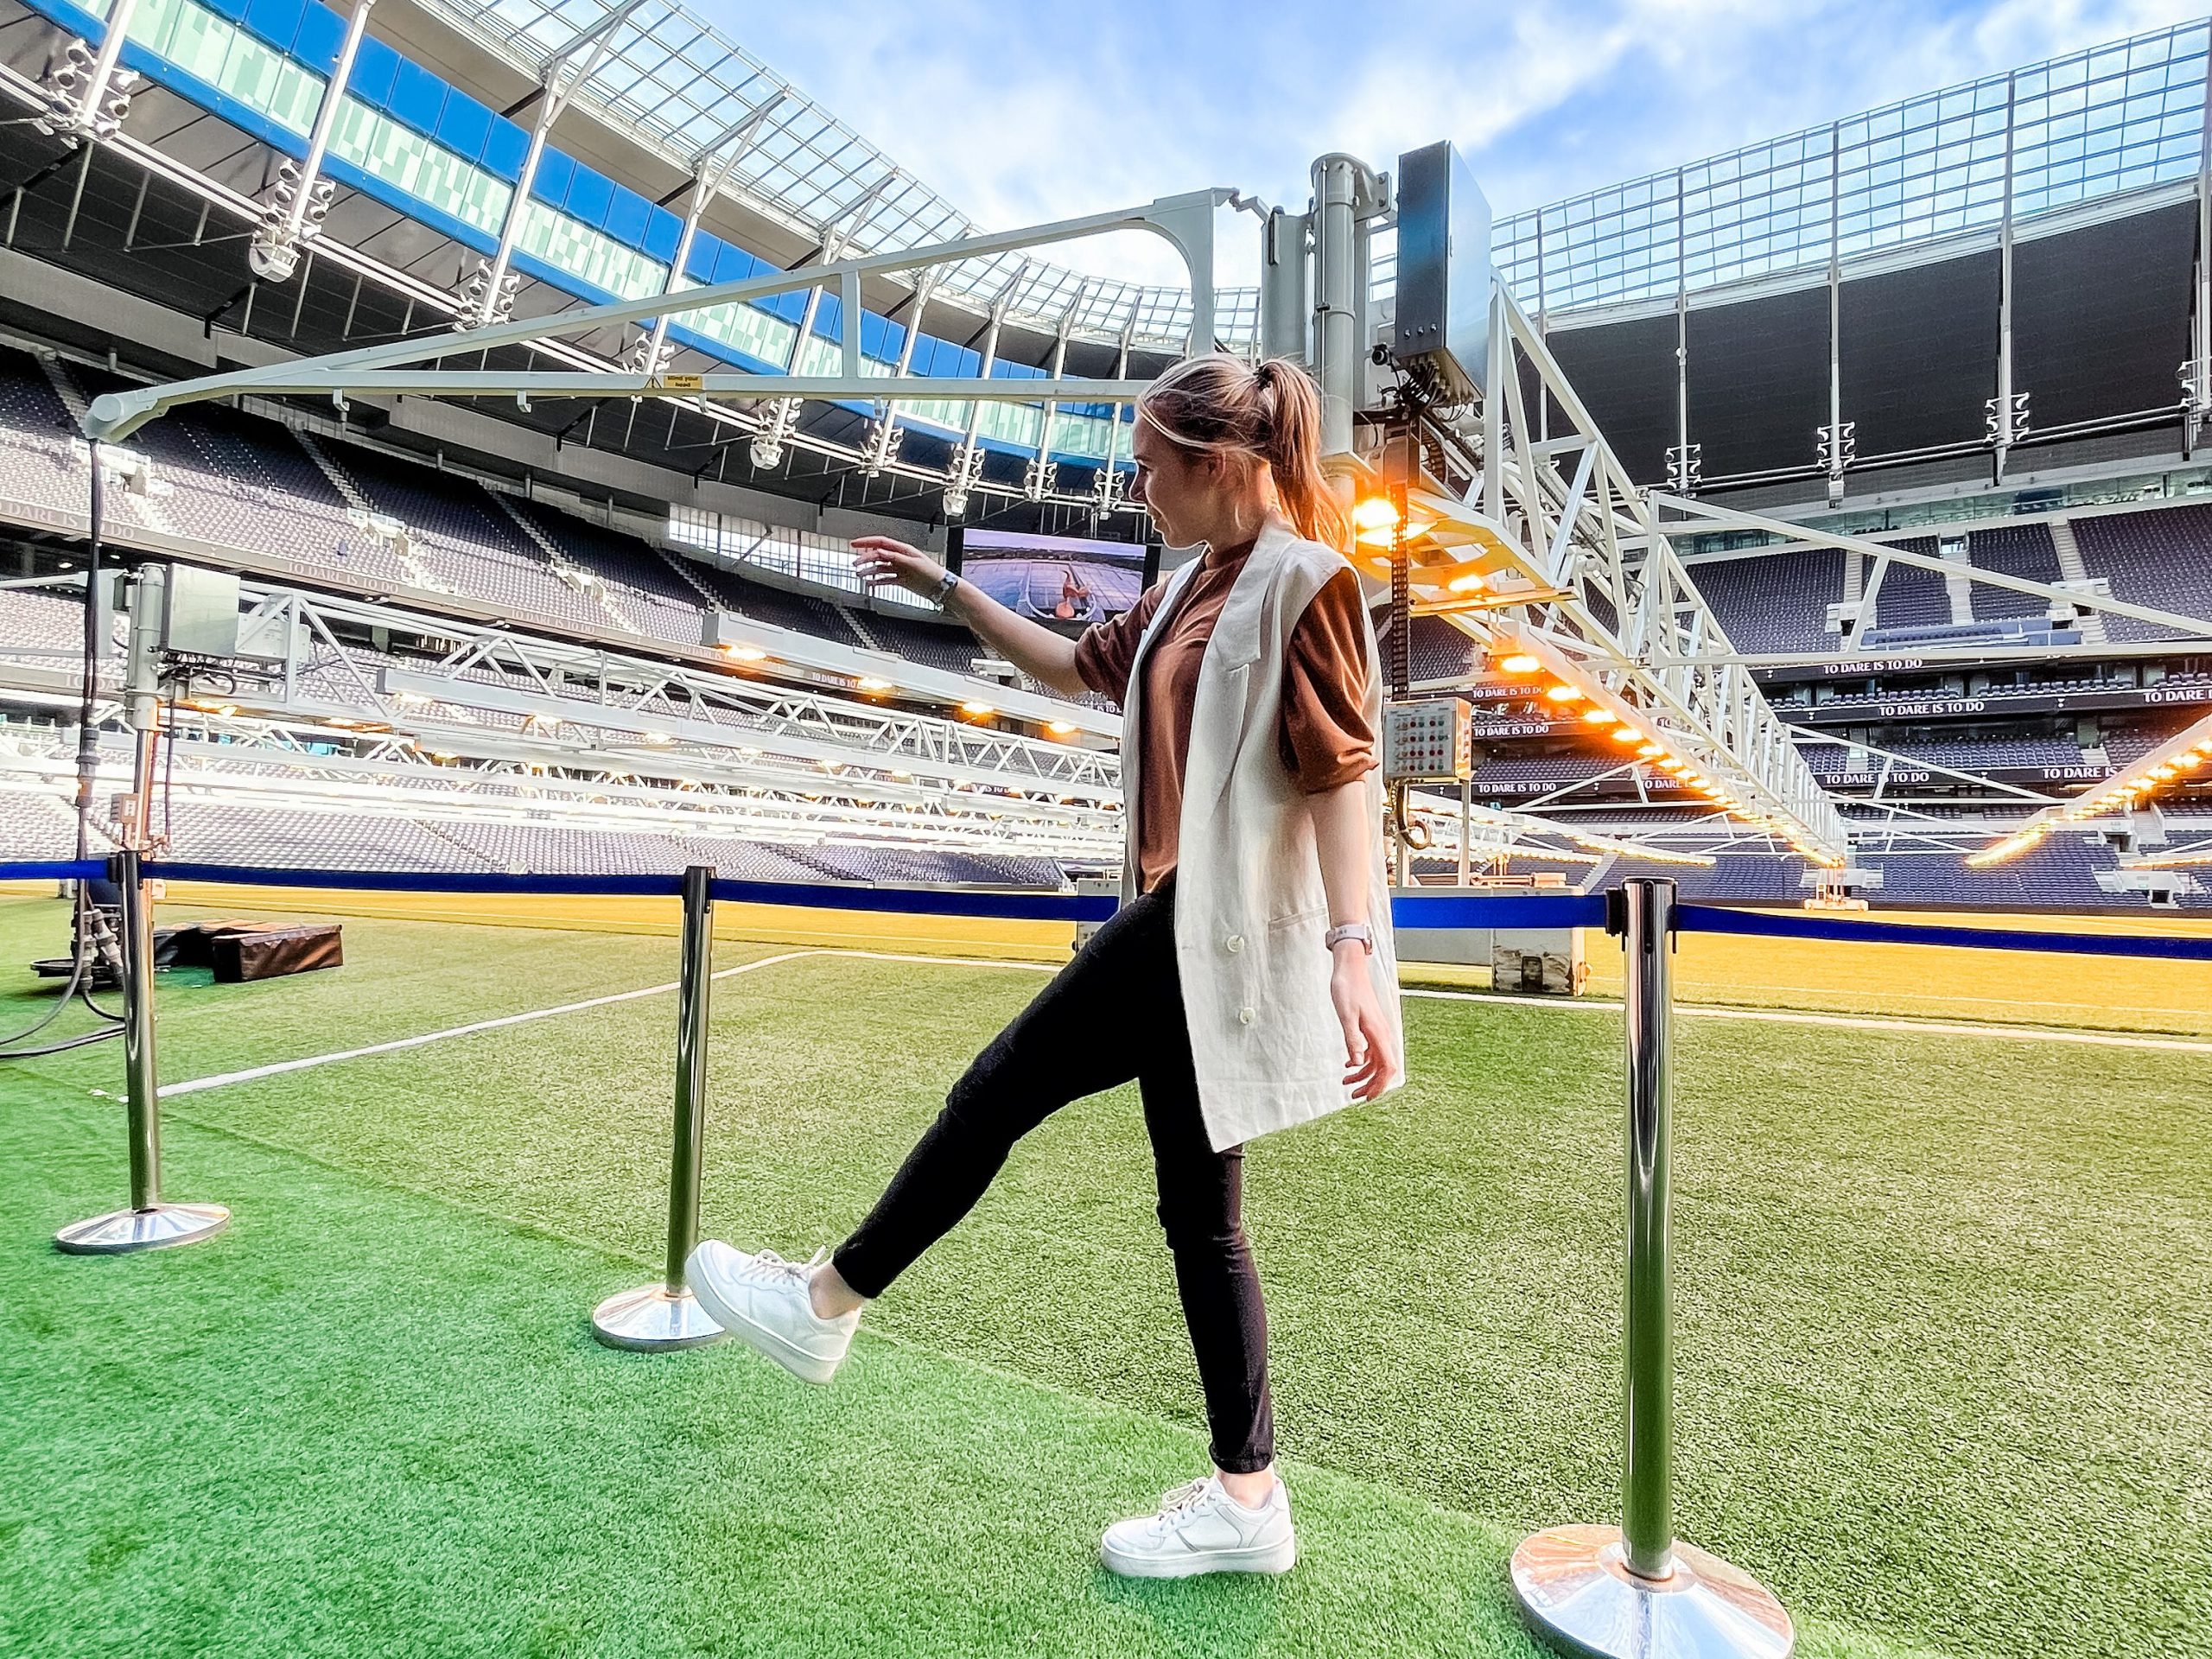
142 1230
653 1319
1575 1583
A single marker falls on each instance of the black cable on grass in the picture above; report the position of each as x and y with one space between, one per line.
78 988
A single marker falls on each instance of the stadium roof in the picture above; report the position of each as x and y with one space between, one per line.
670 79
2106 122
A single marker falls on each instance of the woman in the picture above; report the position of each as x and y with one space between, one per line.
1248 975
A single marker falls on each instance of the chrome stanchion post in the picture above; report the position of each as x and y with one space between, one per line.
1648 1370
148 1223
667 1315
1633 1591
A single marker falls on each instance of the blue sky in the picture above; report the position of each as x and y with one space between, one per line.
1019 111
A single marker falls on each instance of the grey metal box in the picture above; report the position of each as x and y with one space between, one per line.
200 612
1428 739
1444 269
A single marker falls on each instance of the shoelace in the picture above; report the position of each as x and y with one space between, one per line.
1178 1503
768 1268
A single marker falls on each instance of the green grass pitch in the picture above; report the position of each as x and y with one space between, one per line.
1944 1333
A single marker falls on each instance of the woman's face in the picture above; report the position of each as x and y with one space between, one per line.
1180 489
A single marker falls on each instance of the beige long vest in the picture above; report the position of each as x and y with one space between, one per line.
1251 911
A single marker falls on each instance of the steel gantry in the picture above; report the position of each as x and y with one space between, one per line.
396 369
682 738
1554 559
240 759
542 687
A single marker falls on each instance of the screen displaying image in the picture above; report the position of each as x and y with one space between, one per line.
1060 580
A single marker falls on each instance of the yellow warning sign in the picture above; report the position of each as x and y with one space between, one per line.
678 383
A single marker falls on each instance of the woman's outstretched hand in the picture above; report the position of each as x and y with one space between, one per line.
879 560
1370 1058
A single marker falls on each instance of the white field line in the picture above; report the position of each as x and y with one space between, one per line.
1847 1023
2010 1033
253 1073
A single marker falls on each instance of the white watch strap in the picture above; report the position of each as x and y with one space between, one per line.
1343 930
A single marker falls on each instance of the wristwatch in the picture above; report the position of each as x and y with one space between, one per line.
1360 930
946 583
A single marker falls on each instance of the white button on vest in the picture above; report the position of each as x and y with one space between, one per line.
1234 943
1244 1016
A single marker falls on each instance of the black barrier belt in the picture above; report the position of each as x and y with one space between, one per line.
1714 919
1411 912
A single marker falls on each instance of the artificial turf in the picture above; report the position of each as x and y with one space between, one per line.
1944 1341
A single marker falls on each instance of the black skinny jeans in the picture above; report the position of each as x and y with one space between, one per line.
1114 1012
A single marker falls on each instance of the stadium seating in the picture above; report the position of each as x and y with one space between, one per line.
1774 603
2162 558
239 480
1978 753
236 480
40 627
2023 550
1910 596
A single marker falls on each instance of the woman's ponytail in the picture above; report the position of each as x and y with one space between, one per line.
1217 404
1293 453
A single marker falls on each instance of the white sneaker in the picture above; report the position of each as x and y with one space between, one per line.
763 1301
1201 1528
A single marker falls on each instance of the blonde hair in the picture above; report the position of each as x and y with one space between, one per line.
1218 404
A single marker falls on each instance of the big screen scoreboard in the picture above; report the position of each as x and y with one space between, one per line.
1063 581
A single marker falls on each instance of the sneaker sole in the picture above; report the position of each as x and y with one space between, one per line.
808 1368
1265 1558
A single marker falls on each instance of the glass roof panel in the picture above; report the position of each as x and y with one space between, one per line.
1897 174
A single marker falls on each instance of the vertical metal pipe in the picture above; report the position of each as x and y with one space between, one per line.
1466 814
143 1103
2004 434
142 696
110 53
1647 1484
1636 1593
1338 305
88 742
695 982
2198 372
1685 476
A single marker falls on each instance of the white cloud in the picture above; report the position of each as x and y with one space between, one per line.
1019 113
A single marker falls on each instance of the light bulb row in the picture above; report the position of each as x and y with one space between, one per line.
1655 753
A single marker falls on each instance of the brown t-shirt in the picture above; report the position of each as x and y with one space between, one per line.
1324 736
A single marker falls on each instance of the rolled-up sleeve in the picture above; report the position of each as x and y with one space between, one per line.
1326 739
1105 652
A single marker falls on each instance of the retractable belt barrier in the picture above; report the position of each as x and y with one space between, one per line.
1627 1590
1439 910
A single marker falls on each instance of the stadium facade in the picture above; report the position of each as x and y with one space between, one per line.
1973 324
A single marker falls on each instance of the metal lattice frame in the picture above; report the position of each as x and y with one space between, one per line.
671 80
805 764
248 761
589 688
426 301
393 370
1579 572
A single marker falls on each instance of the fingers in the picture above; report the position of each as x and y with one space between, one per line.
1361 1056
1369 1059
